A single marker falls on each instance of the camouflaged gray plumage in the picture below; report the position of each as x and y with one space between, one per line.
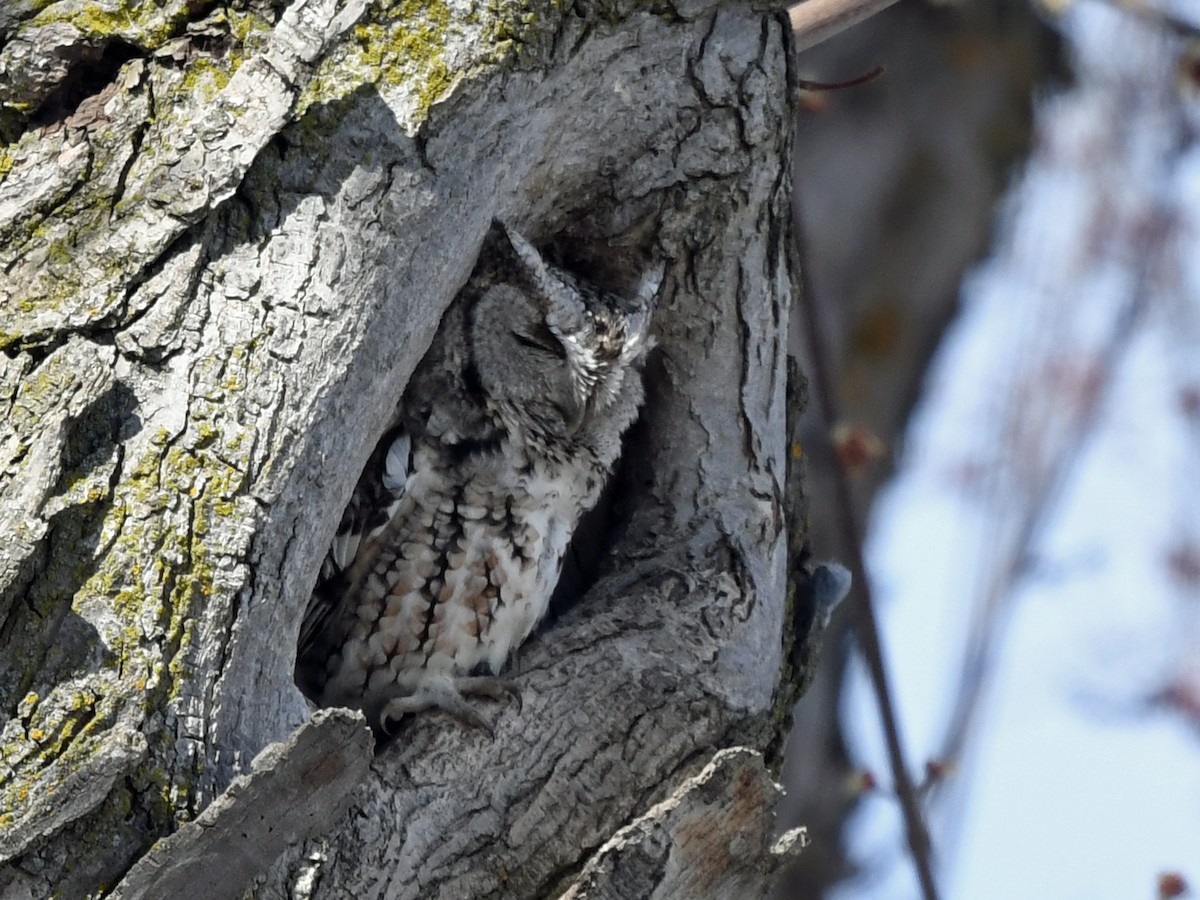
452 543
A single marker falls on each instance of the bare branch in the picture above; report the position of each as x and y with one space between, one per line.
815 21
866 628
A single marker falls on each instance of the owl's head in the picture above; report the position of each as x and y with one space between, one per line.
558 352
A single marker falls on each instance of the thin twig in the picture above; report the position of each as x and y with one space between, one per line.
1053 477
1045 478
865 78
815 21
866 628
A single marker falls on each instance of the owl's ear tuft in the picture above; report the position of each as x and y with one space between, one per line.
528 257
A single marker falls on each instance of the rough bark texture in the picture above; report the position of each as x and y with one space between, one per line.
295 791
706 840
228 237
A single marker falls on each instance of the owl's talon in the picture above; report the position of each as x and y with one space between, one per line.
449 699
458 708
489 686
472 719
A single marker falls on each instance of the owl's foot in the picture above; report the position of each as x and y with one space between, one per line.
447 695
489 686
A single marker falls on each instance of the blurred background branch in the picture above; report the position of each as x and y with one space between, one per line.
1002 313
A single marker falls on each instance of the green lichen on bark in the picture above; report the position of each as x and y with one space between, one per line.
64 243
419 48
145 25
71 255
521 29
398 44
156 571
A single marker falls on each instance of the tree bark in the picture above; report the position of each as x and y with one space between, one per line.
228 235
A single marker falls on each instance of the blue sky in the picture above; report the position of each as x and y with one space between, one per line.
1061 399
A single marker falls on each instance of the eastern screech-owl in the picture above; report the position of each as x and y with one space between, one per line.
452 543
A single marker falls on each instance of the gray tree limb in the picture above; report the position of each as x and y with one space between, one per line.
295 791
683 847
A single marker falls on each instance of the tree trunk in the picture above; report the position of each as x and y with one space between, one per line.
228 236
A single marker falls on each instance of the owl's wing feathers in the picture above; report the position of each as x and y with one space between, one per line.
397 463
371 503
378 490
381 485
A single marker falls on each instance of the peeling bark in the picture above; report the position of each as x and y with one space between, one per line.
713 837
220 267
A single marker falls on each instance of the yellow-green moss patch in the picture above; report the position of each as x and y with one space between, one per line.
399 44
147 24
